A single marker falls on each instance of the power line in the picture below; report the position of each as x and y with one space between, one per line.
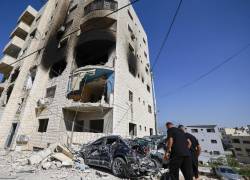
166 36
204 75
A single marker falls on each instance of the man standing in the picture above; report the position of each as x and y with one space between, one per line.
178 153
195 151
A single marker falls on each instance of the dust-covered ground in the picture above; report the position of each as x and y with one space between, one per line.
14 165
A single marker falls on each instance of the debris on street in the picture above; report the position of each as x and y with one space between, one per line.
60 163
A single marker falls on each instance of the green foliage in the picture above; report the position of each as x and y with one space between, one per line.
244 171
232 162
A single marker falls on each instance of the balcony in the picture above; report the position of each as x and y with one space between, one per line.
95 12
14 47
5 67
28 16
91 89
109 5
21 31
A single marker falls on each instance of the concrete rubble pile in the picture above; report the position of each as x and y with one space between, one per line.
55 162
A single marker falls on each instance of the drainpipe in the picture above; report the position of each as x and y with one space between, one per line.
155 107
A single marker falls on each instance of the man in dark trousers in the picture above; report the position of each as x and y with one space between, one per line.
178 153
195 151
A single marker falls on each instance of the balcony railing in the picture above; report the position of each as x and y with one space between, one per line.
101 5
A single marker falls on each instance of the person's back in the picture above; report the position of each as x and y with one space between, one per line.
193 140
180 145
180 156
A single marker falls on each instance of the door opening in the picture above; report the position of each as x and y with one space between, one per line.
11 135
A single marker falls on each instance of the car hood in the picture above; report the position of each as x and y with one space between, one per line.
231 176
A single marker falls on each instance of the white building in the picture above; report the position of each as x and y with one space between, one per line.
238 140
210 141
87 72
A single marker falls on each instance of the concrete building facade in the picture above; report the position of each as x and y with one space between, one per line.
83 72
210 141
237 140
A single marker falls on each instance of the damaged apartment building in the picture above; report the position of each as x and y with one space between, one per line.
74 71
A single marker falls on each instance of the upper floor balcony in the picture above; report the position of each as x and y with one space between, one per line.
28 16
95 15
5 65
14 47
109 5
21 31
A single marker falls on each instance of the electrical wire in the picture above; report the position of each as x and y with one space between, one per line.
166 36
75 31
204 75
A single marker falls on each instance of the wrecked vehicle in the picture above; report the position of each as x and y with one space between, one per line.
157 145
120 156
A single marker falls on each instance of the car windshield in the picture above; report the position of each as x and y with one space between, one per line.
227 170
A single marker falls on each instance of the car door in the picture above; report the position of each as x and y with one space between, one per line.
93 154
107 151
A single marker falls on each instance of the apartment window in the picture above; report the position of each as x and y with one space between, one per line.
148 88
63 43
15 75
237 149
130 15
237 141
146 69
213 141
50 92
38 18
130 96
246 142
145 54
149 109
68 24
96 126
210 130
132 129
131 48
72 8
145 128
130 29
194 130
43 124
248 151
140 127
216 152
151 131
142 79
57 68
144 41
33 33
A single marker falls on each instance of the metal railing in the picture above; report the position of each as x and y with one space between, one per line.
101 5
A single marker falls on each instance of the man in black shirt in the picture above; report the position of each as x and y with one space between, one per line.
195 151
178 153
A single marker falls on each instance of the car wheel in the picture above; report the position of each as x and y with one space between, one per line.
118 167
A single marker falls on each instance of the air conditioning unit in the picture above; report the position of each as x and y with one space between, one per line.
41 103
60 32
22 139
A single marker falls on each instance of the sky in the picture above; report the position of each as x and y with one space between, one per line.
205 33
